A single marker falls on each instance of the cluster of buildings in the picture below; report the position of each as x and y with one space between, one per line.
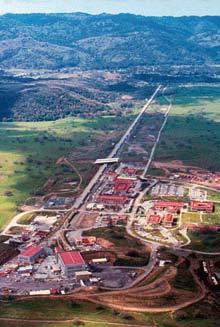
117 192
59 203
167 220
209 274
36 231
166 213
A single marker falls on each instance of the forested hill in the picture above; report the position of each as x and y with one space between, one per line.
106 41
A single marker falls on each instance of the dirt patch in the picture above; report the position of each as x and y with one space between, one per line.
109 255
86 220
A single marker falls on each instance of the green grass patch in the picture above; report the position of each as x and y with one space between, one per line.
26 219
28 153
205 241
191 218
156 172
213 196
192 133
116 235
184 279
212 218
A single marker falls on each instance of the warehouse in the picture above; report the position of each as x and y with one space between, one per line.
31 254
71 261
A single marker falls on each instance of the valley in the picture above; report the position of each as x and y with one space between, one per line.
109 169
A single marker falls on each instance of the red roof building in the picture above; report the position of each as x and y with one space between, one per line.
202 206
168 219
71 261
129 170
112 199
31 254
170 205
122 185
154 219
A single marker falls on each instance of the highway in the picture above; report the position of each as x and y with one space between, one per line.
80 200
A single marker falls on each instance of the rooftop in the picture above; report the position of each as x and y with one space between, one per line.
154 219
165 204
201 205
168 218
30 251
69 258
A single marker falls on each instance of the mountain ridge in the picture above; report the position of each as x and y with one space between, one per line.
106 41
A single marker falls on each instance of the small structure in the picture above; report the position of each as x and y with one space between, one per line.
31 254
106 161
40 292
85 241
25 269
99 260
83 275
71 261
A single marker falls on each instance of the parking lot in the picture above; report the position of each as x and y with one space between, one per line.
167 189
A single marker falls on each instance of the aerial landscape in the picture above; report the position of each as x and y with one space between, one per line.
109 164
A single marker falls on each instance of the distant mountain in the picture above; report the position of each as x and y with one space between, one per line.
56 41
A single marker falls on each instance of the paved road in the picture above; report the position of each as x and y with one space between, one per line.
65 321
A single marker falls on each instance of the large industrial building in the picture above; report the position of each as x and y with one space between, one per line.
71 261
31 254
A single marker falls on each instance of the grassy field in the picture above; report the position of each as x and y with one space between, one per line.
212 218
99 316
116 235
213 196
192 133
206 241
191 218
129 251
28 153
67 309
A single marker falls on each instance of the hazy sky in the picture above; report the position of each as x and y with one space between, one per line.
144 7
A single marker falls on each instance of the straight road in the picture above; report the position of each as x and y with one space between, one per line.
156 143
